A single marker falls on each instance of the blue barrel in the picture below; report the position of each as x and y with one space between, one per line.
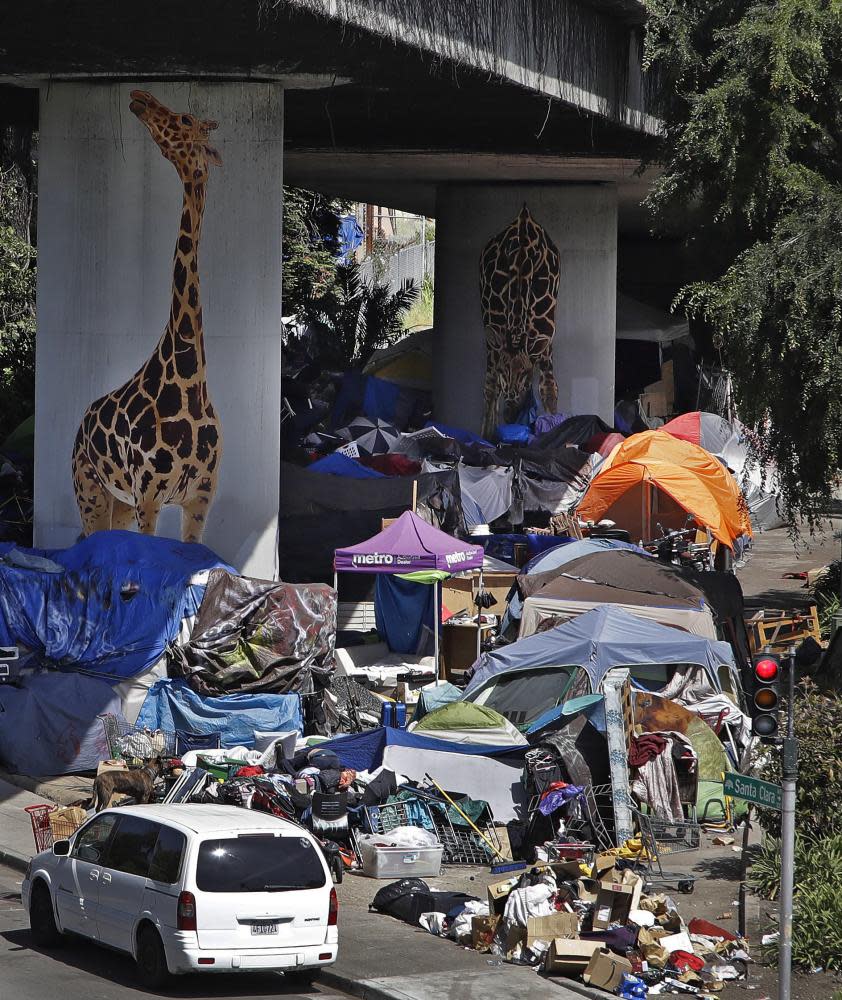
387 716
399 714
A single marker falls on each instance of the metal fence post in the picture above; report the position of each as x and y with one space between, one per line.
789 773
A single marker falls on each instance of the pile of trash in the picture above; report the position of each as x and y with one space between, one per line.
595 922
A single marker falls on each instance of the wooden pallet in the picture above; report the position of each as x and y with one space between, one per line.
780 629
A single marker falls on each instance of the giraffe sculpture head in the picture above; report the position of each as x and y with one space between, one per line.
182 138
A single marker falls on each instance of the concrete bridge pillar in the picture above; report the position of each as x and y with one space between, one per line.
108 219
581 219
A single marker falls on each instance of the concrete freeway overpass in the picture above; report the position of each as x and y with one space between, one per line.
461 109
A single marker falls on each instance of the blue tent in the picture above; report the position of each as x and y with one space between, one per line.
337 464
599 640
108 606
364 751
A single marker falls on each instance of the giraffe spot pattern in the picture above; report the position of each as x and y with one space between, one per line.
169 400
206 440
129 432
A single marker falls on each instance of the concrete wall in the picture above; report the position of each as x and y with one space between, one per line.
108 216
582 222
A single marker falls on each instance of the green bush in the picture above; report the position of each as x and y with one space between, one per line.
17 330
818 727
817 923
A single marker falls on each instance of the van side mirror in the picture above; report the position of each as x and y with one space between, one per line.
61 848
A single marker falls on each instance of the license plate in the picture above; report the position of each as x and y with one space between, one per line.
264 928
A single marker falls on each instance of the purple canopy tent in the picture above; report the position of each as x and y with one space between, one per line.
411 547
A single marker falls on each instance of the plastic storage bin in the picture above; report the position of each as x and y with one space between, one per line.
400 862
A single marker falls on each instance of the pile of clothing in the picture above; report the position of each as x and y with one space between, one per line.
661 760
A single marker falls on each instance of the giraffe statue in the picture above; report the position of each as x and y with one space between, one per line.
157 440
519 276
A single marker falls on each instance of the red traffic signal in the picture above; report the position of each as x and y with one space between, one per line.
766 669
765 696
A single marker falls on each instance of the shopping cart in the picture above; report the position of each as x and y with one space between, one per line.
130 743
461 846
47 828
663 838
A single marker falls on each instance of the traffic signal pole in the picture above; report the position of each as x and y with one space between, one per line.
789 773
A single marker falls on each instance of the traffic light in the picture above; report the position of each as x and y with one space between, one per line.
765 695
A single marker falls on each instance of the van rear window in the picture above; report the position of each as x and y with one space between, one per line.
259 864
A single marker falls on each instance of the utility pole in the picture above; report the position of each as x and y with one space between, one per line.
789 773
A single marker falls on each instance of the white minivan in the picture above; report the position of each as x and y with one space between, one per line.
189 888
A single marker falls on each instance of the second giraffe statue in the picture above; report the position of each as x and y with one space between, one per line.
157 440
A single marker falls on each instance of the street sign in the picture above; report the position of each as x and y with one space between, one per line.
759 793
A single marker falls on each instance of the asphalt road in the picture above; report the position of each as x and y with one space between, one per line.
83 971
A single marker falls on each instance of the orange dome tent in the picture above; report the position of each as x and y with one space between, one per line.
684 473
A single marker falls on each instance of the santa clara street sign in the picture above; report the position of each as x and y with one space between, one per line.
759 793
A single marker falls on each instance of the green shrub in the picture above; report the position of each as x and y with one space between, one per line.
818 727
817 923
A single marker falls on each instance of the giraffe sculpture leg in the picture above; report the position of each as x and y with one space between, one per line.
122 516
193 514
94 500
146 515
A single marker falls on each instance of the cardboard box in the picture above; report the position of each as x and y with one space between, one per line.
110 765
557 925
483 930
605 970
616 899
458 593
569 957
498 893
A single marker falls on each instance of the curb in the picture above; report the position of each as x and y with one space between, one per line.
368 990
14 860
359 988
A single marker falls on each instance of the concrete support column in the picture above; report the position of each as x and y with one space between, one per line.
108 218
582 222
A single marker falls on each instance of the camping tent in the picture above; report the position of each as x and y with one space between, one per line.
623 569
492 774
463 722
728 442
412 549
685 477
604 638
558 556
568 597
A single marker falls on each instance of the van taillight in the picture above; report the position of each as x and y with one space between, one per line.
186 912
333 909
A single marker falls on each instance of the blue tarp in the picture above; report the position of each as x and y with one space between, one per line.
513 433
337 464
401 610
114 608
49 724
459 434
174 706
364 751
600 639
380 400
350 235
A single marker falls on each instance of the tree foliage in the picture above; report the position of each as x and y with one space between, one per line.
354 318
310 246
750 99
17 308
